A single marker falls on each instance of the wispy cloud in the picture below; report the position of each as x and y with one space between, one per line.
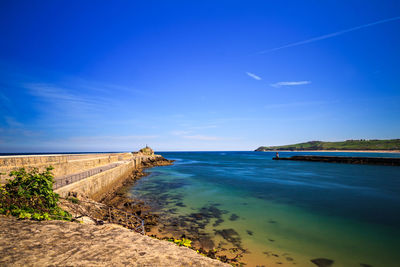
110 139
4 100
203 127
330 35
69 102
252 75
201 137
298 104
12 122
279 84
56 94
179 133
94 143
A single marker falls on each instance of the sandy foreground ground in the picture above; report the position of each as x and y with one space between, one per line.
58 243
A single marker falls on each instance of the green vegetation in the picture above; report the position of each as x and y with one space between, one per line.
30 195
181 242
393 144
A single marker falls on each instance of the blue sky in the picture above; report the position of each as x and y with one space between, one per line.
196 75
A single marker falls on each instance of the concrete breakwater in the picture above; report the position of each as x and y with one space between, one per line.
91 175
104 183
351 160
64 164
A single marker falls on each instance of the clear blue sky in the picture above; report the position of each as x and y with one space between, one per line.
196 75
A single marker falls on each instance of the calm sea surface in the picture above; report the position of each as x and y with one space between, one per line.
285 212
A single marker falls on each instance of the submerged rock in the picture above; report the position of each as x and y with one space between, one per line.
321 262
230 235
218 222
233 217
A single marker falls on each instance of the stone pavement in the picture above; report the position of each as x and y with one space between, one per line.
58 243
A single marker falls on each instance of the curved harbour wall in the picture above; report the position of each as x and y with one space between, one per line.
63 164
94 186
98 185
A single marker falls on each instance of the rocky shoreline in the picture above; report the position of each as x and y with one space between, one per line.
116 207
118 199
190 227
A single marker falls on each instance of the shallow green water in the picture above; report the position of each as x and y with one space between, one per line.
284 212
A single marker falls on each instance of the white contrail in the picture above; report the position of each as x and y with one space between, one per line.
330 35
279 84
252 75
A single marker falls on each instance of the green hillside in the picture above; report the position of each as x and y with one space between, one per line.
392 144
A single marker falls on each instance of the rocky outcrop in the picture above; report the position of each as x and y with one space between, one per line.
59 243
146 151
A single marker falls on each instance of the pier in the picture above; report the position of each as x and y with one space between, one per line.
92 175
349 160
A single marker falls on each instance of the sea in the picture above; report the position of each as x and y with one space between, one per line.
280 213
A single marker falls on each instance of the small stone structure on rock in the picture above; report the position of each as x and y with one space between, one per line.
147 151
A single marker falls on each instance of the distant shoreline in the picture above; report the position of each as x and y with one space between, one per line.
362 151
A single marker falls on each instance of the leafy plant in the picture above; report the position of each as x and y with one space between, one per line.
30 195
183 242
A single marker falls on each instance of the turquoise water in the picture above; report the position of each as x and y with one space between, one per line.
282 212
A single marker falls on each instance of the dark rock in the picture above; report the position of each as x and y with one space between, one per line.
249 232
180 204
233 217
218 222
321 262
198 215
230 235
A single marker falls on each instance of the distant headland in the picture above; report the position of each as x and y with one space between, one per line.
362 145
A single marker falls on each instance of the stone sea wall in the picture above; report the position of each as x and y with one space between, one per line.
96 186
63 164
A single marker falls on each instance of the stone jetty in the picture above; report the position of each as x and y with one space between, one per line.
350 160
